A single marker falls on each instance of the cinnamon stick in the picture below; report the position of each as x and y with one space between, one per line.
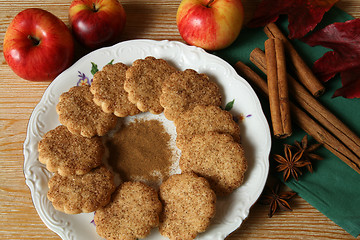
314 107
278 89
305 122
302 70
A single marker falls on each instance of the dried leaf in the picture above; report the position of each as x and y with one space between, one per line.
303 15
344 39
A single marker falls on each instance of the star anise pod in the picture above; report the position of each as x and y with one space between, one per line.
276 199
291 163
307 149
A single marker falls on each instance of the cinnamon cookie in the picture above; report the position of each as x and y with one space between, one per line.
203 119
70 154
184 90
132 213
216 157
189 206
78 112
143 83
85 193
109 93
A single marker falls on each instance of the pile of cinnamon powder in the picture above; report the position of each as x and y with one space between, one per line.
140 151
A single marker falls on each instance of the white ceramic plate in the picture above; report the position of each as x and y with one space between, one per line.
231 210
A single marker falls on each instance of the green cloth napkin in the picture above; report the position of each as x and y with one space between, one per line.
333 188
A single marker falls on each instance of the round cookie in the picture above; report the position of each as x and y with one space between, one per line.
81 194
132 213
70 154
108 90
203 119
184 90
189 206
78 112
143 83
216 157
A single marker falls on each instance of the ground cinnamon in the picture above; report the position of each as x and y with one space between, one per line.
278 88
302 70
140 151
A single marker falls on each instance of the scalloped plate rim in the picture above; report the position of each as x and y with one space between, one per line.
28 155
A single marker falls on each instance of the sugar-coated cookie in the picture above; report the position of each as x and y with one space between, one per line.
70 154
144 79
186 89
189 206
81 194
132 213
203 119
78 112
216 157
109 93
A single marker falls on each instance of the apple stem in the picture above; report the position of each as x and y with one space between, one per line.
34 40
95 9
209 3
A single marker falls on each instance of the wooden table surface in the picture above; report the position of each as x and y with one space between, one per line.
152 19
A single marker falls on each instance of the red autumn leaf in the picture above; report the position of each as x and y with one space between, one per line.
303 15
344 39
351 84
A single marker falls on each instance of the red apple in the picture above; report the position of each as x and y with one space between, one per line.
97 23
38 45
210 24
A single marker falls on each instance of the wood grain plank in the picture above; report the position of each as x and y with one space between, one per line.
146 19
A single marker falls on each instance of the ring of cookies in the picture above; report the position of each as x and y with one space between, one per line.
212 160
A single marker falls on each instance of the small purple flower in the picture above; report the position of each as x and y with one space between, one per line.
83 80
93 221
241 117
